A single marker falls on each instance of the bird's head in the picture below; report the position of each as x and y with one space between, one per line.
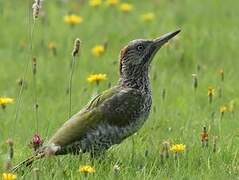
139 53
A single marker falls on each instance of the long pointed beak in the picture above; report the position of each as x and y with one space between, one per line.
165 38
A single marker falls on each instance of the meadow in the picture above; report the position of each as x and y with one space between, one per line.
205 51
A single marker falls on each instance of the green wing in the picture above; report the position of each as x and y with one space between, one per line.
113 106
100 98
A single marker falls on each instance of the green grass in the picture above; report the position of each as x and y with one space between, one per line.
209 38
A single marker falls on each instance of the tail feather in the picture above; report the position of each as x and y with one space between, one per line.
28 161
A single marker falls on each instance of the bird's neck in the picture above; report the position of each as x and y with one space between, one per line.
137 78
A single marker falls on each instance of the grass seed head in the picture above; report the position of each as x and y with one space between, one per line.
76 48
36 8
195 81
34 65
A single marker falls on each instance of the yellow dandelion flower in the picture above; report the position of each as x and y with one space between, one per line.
126 7
9 176
112 2
177 148
51 45
96 78
98 50
87 169
73 19
95 3
148 17
23 44
223 109
211 91
5 101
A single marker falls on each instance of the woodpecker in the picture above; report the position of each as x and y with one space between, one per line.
116 113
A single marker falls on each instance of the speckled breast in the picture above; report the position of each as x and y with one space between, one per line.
104 135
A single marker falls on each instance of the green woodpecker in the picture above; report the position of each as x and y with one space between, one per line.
116 113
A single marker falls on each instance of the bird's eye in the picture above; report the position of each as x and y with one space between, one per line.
140 47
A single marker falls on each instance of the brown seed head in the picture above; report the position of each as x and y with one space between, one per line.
204 137
10 142
76 47
11 150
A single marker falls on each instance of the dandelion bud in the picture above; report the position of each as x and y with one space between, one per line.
195 81
11 150
76 47
52 46
222 110
21 82
204 137
221 72
166 147
34 65
210 93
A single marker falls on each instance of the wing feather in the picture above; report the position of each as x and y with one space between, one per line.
114 107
